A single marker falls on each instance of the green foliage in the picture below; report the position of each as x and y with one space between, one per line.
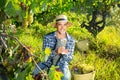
115 16
3 4
104 68
41 30
52 9
90 5
94 10
21 74
54 74
109 36
29 39
103 52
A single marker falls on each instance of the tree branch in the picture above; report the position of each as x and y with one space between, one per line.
5 35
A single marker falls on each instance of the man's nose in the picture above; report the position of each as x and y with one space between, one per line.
63 26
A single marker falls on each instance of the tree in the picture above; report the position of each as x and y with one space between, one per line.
22 11
94 9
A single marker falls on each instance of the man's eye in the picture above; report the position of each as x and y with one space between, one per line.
59 24
65 24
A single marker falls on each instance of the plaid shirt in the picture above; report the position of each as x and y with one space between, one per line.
50 41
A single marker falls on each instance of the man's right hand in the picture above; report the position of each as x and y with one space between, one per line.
62 50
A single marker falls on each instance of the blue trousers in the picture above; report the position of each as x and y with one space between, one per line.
63 68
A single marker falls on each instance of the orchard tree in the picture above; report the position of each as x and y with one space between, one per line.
97 11
51 8
21 11
115 16
44 11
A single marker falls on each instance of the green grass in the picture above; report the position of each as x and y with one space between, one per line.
109 36
105 69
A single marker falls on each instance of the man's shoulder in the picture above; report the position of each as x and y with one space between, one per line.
51 34
70 37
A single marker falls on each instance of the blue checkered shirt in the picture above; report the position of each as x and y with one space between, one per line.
50 41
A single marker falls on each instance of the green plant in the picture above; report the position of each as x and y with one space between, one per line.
80 68
55 73
82 64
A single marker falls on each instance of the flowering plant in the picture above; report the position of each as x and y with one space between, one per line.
47 52
55 73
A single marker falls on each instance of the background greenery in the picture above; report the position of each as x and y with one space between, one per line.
30 20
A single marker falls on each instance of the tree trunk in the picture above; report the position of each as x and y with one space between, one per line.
93 26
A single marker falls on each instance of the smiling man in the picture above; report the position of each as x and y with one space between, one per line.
62 48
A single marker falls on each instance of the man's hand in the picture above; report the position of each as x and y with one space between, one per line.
62 50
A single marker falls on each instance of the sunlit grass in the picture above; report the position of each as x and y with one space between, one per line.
110 36
105 69
32 41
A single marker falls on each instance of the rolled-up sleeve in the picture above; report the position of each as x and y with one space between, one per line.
45 43
50 43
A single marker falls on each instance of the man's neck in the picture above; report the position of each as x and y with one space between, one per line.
60 36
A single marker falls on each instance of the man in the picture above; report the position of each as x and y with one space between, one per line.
62 48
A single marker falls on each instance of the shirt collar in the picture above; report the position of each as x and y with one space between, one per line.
68 36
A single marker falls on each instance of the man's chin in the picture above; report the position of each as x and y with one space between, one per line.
62 32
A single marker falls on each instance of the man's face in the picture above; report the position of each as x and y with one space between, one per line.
61 27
